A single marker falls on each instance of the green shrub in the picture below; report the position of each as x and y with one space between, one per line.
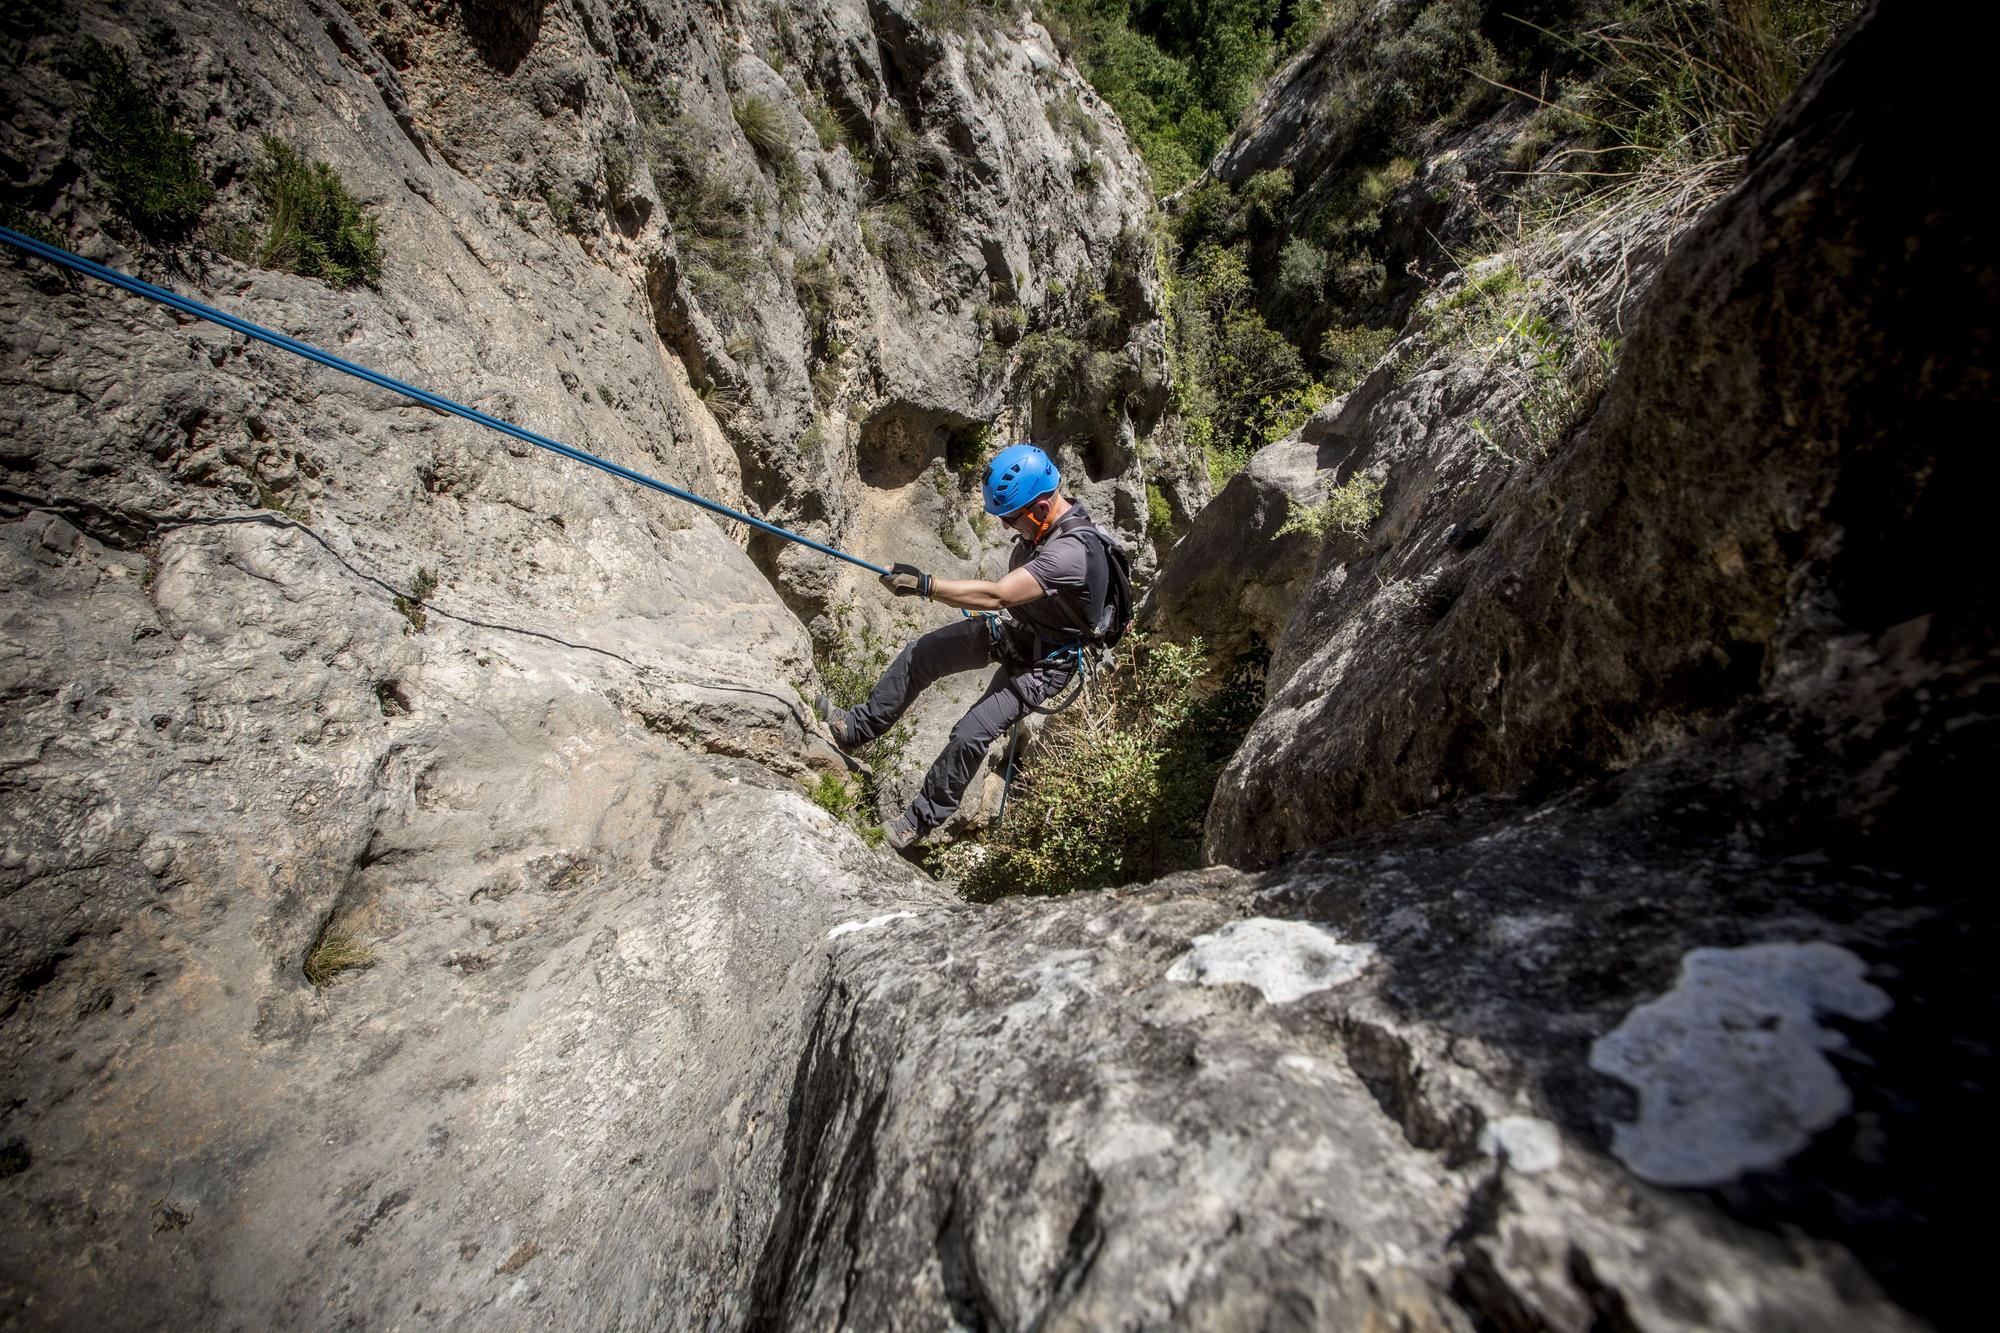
1051 358
1223 461
833 794
1349 508
1302 270
826 372
849 670
816 282
1117 787
1177 75
960 16
966 448
422 585
1159 515
1263 197
715 224
147 164
1692 80
1351 351
315 227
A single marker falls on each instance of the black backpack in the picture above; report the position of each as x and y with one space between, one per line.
1107 608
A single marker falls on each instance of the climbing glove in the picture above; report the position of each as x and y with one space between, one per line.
907 581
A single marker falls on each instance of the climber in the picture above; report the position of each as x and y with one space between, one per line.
1067 587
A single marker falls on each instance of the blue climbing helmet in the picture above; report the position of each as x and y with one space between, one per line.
1018 476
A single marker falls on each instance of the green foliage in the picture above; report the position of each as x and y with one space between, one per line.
1349 508
833 794
1350 352
34 226
1117 787
315 227
716 225
1159 516
1221 461
966 449
147 164
849 670
1565 374
763 124
1178 74
826 125
334 952
1263 197
817 285
1689 80
1539 339
1302 270
1051 357
422 585
826 372
961 16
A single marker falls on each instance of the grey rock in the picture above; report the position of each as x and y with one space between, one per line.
1231 579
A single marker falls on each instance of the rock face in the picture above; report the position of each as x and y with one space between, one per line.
1691 1031
1232 579
1692 553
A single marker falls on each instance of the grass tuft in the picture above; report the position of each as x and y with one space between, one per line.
335 952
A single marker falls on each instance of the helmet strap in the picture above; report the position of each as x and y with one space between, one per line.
1041 524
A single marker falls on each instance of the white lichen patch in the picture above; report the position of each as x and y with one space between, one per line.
1730 1065
1283 959
1529 1144
849 927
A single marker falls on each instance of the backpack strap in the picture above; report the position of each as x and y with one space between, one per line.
1096 569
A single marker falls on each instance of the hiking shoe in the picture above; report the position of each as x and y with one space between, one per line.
836 721
903 833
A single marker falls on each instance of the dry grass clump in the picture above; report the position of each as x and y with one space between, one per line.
334 952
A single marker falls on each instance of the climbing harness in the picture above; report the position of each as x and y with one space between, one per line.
1080 678
139 287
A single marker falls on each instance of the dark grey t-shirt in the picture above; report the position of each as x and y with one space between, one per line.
1060 564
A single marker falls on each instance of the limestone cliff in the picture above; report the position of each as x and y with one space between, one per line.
1617 965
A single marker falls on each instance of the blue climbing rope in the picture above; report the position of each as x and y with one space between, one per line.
139 287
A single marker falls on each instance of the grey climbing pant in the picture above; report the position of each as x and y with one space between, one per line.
964 646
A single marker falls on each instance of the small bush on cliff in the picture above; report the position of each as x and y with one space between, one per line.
1117 787
1349 507
411 605
316 228
147 164
1350 352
